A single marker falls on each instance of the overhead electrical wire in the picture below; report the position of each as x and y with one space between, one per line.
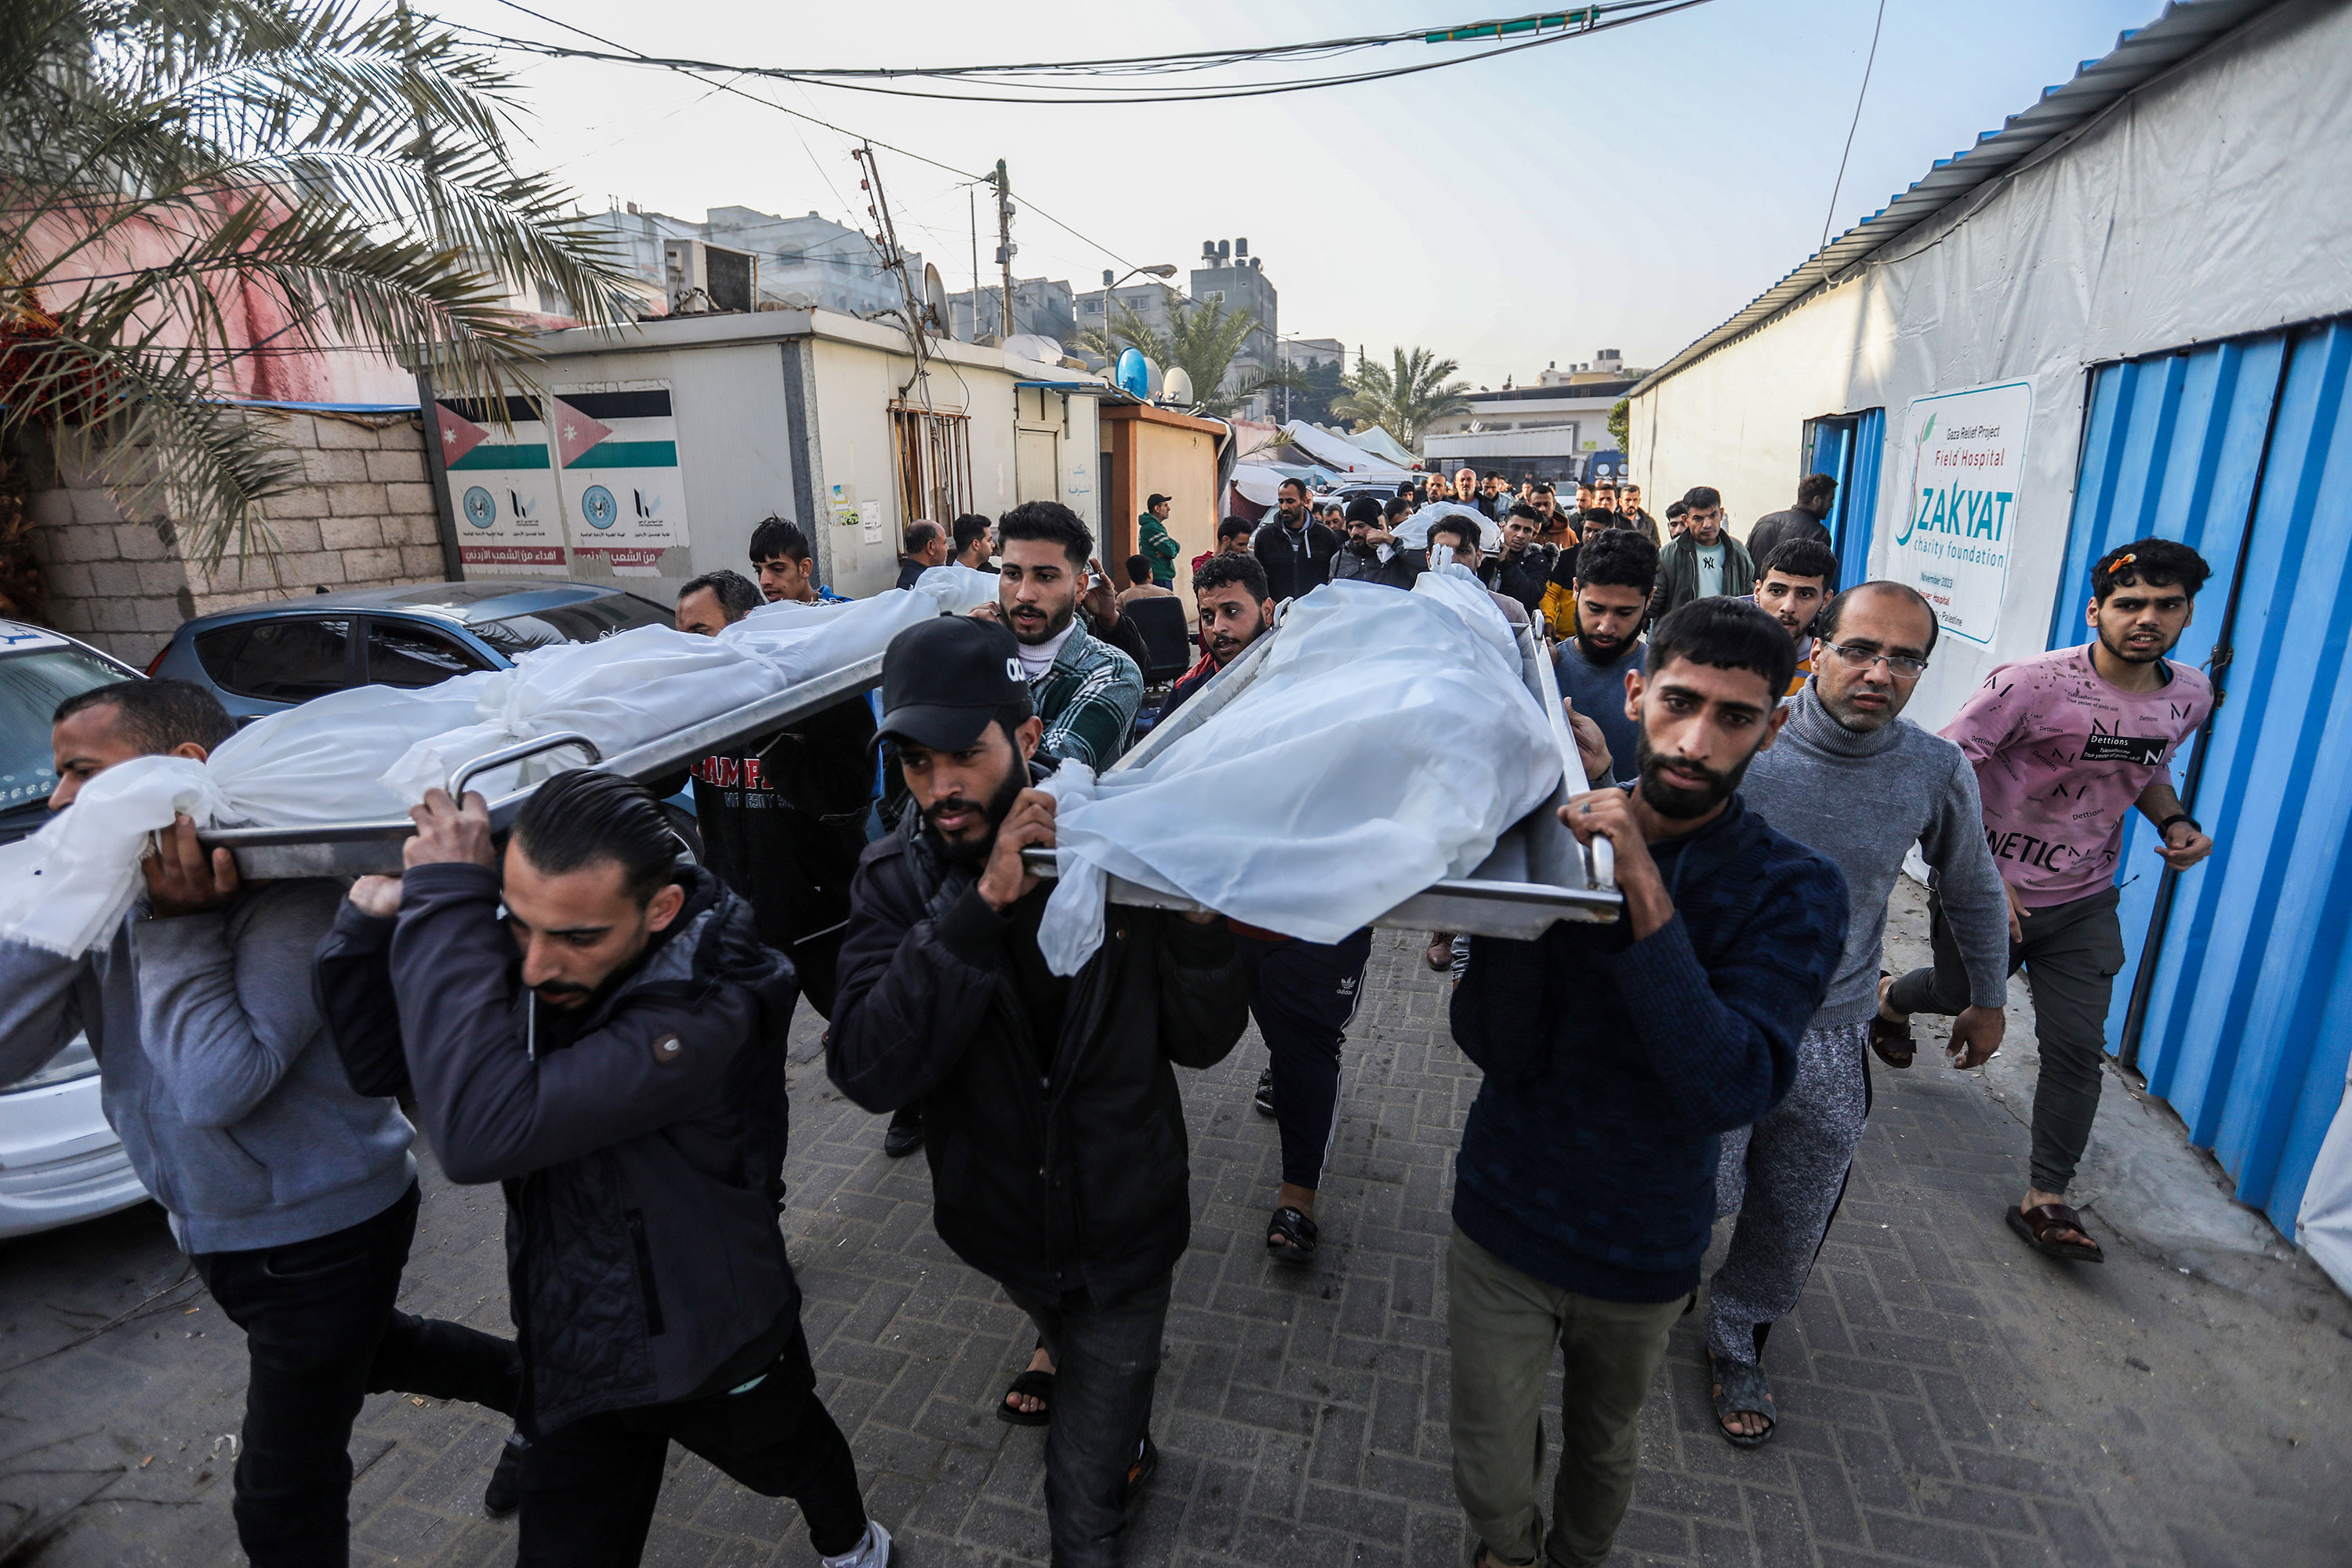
1574 23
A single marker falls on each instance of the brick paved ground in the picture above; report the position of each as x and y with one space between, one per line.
1946 1398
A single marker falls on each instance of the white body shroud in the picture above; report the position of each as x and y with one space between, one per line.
1386 742
369 754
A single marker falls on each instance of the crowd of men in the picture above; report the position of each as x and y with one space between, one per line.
596 1022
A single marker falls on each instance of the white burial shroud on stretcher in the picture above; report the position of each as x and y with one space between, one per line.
369 754
1387 740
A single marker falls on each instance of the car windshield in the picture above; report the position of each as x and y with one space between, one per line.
584 620
31 687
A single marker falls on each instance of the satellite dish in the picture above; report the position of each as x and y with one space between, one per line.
1034 346
1178 387
1134 373
1156 377
937 315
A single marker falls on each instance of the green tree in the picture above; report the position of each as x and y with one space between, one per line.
1404 396
1201 340
176 171
1619 430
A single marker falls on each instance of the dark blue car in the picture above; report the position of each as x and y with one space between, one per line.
267 657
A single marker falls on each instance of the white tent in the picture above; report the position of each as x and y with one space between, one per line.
1380 444
1351 462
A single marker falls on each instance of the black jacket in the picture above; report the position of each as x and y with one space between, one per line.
783 823
1361 563
1044 1183
640 1140
1776 529
1678 573
1292 568
1524 575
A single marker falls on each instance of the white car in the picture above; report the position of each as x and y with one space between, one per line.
59 1160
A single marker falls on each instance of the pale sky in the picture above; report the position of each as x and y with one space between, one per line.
1629 190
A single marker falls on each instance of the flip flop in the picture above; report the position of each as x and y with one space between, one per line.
1740 1389
1035 1385
2036 1226
1296 1233
1890 1039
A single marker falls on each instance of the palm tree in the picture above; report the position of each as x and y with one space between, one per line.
1201 340
191 187
1403 398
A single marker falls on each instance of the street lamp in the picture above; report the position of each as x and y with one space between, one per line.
1163 272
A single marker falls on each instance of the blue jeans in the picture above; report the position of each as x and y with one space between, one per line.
1106 1360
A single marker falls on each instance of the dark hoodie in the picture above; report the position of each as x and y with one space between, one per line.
640 1137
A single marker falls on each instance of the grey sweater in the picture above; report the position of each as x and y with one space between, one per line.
214 1070
1863 800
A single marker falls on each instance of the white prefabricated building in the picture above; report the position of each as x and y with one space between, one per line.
658 448
2127 312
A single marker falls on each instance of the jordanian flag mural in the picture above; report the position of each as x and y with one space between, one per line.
616 446
502 489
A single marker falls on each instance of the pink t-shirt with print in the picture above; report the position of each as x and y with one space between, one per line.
2060 756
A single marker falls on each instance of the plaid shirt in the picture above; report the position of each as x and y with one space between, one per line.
1087 698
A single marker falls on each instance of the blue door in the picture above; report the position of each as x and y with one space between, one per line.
1847 447
2238 975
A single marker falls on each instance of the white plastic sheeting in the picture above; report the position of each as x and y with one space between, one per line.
1342 455
1386 742
2323 1225
958 588
1412 534
67 890
368 753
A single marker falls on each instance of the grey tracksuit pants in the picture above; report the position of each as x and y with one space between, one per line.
1785 1175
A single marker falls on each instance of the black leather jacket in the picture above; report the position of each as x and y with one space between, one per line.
640 1140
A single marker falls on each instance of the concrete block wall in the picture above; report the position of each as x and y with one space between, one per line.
362 516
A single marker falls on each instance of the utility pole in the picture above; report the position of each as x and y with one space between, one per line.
1004 247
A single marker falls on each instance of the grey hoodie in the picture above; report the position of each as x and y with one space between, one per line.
1862 800
213 1067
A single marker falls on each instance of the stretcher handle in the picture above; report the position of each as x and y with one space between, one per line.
516 753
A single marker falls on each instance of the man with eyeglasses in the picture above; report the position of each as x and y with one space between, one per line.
1853 779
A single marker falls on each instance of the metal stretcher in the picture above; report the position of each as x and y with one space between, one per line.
364 848
1537 873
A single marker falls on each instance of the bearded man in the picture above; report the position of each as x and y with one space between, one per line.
1055 1131
1615 1056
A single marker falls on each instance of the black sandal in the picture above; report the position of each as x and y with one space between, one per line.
1035 1385
1291 1235
1740 1389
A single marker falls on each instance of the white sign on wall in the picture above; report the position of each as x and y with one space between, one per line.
1963 456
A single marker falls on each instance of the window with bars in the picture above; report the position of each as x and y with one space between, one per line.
934 463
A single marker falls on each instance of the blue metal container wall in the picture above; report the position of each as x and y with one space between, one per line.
1857 502
2239 1034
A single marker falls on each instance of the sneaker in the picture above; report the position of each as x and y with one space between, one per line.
1138 1474
1265 1100
874 1552
904 1134
504 1494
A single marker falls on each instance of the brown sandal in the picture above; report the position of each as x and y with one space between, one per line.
2037 1225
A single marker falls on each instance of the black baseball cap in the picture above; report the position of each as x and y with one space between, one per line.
943 680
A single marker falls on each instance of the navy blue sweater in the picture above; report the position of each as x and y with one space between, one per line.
1612 1065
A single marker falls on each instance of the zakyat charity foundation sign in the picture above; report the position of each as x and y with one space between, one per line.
1963 454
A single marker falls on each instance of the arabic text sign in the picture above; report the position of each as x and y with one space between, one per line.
626 497
1963 455
501 489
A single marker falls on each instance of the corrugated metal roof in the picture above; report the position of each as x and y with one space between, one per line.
2185 28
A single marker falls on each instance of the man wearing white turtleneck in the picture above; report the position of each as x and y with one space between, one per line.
1853 779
